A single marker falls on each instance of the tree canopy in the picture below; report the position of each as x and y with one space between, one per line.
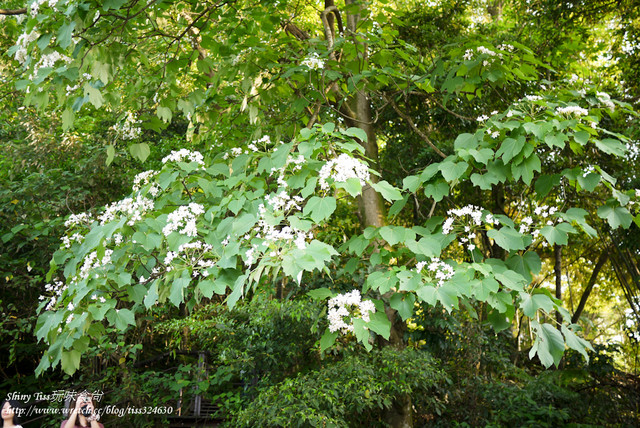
382 160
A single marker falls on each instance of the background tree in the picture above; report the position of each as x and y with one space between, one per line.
464 116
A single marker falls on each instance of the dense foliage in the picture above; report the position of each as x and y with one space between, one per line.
358 213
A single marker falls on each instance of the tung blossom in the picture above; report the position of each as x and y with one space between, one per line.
341 169
348 305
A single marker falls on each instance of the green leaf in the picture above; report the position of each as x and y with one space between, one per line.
544 184
403 303
411 183
328 127
177 290
320 208
70 361
510 148
387 191
328 339
581 137
124 318
352 186
381 281
526 169
140 151
548 344
512 280
532 302
356 132
208 287
95 97
507 238
113 4
575 342
557 140
437 191
362 332
557 234
67 119
611 147
395 234
615 215
427 246
409 280
484 288
65 33
164 113
151 297
380 324
320 293
589 181
453 170
465 141
485 181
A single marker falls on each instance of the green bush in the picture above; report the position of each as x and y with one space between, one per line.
355 391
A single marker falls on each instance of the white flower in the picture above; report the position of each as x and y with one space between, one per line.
313 62
482 118
341 169
102 299
344 305
183 155
185 218
572 111
441 271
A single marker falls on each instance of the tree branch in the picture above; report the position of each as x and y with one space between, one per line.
604 256
414 127
13 11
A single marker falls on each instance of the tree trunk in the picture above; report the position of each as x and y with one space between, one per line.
604 256
372 213
557 251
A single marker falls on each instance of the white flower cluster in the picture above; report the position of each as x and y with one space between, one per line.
297 163
193 253
345 305
605 99
129 129
572 111
283 202
143 179
34 7
134 208
91 262
183 155
50 59
277 233
468 217
235 152
23 41
67 240
532 98
313 61
185 218
57 288
544 213
470 53
81 219
341 169
440 270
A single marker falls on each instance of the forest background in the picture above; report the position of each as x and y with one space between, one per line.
470 168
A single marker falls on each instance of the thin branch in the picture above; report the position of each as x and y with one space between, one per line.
13 11
414 127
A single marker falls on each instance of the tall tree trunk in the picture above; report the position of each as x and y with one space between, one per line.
557 251
372 213
604 256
